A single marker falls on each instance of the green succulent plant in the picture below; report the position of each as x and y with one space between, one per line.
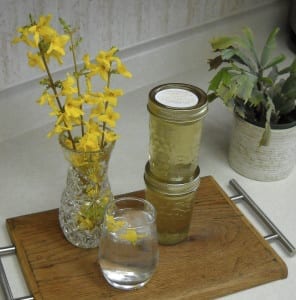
253 85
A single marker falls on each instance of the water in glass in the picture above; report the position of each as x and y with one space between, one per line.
128 248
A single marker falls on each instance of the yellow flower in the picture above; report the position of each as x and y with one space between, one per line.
89 142
66 98
34 59
108 56
121 68
92 190
68 143
110 136
114 225
73 107
103 69
56 130
49 99
57 44
44 98
62 123
86 61
98 110
67 86
131 235
24 37
42 29
63 118
94 98
104 60
56 56
110 95
93 128
85 223
109 117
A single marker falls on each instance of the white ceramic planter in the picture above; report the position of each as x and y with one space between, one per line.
265 163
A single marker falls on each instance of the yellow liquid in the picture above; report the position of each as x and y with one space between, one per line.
173 215
173 149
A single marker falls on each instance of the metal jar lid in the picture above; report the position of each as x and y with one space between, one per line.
178 102
171 188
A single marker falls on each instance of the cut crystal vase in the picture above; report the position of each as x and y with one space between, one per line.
86 194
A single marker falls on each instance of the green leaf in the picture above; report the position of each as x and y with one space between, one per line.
240 110
273 74
267 81
284 105
265 139
211 97
228 92
289 87
276 60
284 71
227 54
225 42
215 62
250 37
222 76
256 98
269 46
245 84
238 56
293 67
250 43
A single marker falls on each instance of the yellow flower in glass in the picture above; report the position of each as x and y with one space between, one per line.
85 119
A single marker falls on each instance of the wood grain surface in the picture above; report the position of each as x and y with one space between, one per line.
223 254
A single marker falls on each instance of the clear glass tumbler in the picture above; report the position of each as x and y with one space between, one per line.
128 246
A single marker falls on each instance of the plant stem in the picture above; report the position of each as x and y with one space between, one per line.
72 48
106 106
52 85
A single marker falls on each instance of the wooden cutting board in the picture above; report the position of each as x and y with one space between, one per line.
224 254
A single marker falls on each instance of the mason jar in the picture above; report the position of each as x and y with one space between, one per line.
173 203
176 112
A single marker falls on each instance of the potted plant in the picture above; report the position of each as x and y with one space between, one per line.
262 96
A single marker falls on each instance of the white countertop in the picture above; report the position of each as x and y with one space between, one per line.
33 173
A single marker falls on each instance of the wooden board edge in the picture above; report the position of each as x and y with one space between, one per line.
284 268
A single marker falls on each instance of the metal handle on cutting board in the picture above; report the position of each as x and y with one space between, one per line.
276 234
3 279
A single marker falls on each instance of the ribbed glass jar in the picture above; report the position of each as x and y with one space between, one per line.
174 206
176 113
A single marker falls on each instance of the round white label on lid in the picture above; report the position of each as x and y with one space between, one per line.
176 98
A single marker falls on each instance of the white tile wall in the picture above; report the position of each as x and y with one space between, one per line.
103 23
159 38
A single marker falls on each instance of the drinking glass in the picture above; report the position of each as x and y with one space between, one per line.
128 245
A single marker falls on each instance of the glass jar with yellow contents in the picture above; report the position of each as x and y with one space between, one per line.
176 114
174 202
